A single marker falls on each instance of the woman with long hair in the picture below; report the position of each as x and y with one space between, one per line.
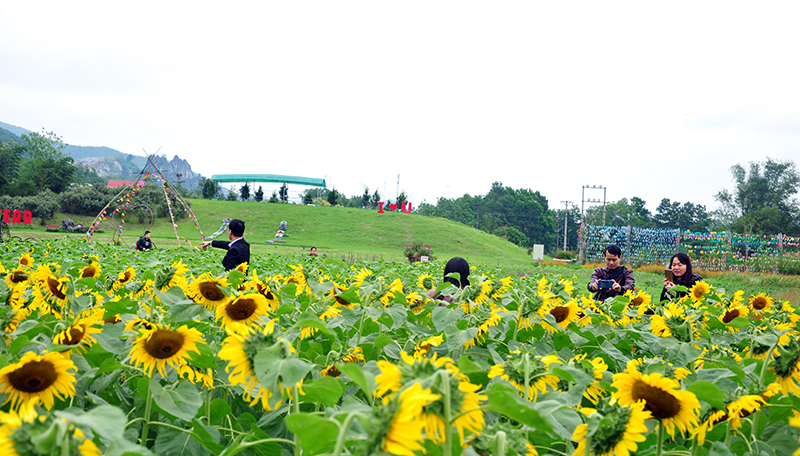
681 266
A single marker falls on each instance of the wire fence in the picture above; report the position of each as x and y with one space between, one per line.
714 251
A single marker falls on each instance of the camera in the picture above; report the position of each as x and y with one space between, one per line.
605 283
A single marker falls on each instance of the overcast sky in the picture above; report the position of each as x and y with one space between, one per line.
649 100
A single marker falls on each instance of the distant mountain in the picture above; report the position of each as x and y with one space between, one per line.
112 164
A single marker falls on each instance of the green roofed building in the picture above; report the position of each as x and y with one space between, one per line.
269 178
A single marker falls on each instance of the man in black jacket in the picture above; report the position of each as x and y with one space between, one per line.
238 249
144 243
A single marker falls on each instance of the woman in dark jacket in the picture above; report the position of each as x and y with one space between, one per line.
681 266
456 264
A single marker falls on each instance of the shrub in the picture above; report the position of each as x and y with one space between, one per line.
414 252
86 200
512 235
790 266
43 205
564 255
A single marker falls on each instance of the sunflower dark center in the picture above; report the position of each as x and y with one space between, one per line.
759 303
333 372
75 335
730 315
560 313
164 343
637 301
89 271
55 287
657 401
211 291
24 262
126 276
18 276
241 309
33 377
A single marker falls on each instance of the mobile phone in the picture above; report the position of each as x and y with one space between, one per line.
669 275
605 283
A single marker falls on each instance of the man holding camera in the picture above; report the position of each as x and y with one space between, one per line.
612 280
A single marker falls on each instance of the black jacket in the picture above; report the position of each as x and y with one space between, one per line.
144 244
237 254
665 295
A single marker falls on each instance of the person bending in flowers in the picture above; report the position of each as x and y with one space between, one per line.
621 278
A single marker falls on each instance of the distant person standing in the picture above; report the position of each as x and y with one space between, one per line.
238 249
313 252
144 243
612 280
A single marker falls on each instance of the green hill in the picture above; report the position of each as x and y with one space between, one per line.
335 231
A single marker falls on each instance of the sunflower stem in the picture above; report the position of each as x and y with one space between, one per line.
361 326
296 411
343 433
147 409
208 407
501 443
526 365
448 423
660 439
754 428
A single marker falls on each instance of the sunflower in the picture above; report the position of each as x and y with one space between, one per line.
50 292
38 378
662 396
16 431
539 378
387 294
243 267
787 367
416 302
638 299
421 349
404 434
492 319
170 276
123 278
263 287
208 291
393 377
353 355
760 302
732 313
79 334
298 278
90 270
239 351
531 307
9 423
734 411
242 313
25 261
563 314
159 346
196 375
426 282
500 288
699 291
17 276
332 295
618 433
364 275
671 322
595 368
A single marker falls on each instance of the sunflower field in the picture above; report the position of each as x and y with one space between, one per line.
115 352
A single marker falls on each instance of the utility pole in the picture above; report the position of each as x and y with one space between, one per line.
566 205
581 240
397 192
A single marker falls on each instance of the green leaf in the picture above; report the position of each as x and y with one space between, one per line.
172 296
505 400
272 369
739 322
316 434
318 324
442 316
708 392
208 436
325 390
382 341
173 442
719 449
350 295
182 400
203 358
219 408
571 374
358 376
185 311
